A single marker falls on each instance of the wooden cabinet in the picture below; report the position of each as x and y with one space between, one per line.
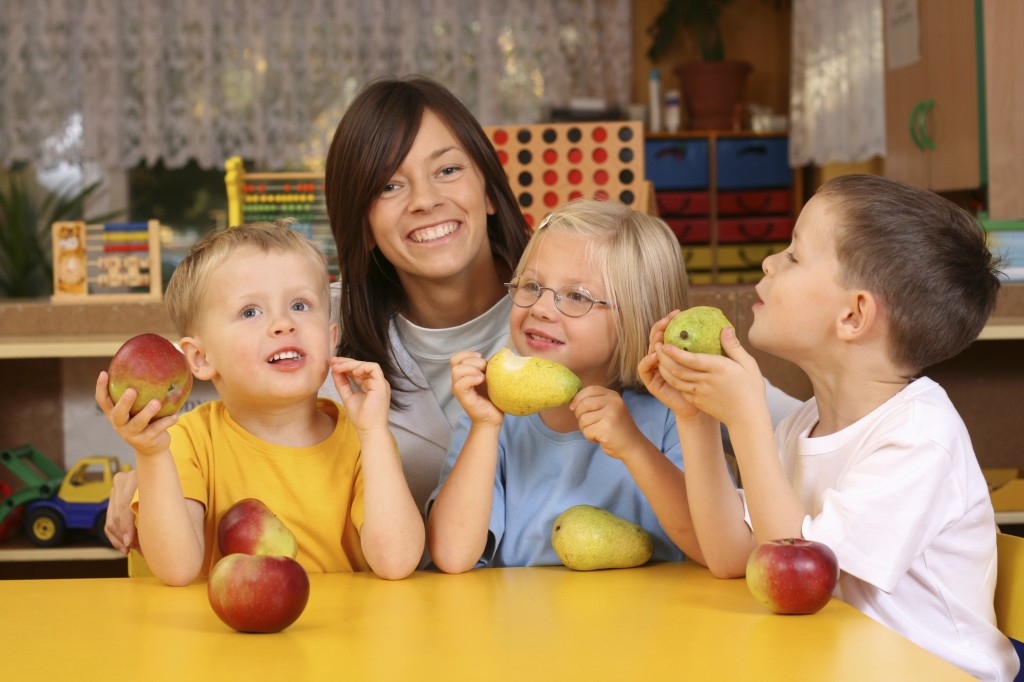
1003 130
932 133
730 198
952 117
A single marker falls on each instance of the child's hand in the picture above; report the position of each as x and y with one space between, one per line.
722 386
657 384
145 437
370 405
468 377
605 420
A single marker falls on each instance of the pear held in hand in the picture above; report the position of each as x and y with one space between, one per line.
589 538
698 329
523 385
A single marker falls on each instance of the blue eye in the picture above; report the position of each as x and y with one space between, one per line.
250 312
300 306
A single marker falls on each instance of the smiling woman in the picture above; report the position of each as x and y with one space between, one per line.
428 230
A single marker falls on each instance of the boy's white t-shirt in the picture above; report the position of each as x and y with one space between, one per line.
900 498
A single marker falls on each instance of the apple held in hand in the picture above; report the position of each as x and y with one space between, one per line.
157 370
249 527
258 593
792 576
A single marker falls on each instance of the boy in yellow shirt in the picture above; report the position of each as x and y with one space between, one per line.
253 308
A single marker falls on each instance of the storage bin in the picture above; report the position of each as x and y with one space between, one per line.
746 256
755 202
753 163
1009 246
673 204
755 229
677 163
690 230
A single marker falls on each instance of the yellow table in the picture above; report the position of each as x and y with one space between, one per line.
659 622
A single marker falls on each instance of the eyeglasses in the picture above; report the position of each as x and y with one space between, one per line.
572 300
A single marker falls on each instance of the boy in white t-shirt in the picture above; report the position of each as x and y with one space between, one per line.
881 280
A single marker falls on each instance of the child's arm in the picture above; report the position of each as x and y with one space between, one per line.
731 389
392 532
170 527
716 508
457 525
605 420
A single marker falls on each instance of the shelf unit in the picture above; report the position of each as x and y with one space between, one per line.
730 198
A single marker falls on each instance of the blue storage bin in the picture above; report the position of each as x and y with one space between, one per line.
753 163
679 163
1009 246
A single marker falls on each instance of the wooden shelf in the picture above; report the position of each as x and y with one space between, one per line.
84 346
19 549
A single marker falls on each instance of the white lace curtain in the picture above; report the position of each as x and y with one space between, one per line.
119 82
837 91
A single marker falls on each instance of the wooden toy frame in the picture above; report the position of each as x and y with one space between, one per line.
106 263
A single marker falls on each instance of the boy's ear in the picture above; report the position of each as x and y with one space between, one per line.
197 361
334 337
860 316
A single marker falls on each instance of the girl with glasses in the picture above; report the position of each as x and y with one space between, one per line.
593 280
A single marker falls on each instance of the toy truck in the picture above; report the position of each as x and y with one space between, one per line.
56 502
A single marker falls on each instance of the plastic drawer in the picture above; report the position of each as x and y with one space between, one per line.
674 204
755 202
677 163
755 229
753 163
690 230
746 256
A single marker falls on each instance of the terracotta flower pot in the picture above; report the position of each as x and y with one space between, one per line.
712 92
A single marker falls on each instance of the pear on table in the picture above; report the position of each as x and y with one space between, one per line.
589 538
521 385
698 330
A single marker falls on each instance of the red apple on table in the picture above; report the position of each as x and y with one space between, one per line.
249 527
258 593
792 576
157 370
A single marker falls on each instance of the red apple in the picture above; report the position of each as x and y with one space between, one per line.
249 527
157 370
792 576
258 593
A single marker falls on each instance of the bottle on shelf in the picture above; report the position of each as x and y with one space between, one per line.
654 93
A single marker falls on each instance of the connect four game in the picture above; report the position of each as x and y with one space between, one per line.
109 262
549 164
254 197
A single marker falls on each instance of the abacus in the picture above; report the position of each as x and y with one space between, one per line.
106 263
548 164
257 197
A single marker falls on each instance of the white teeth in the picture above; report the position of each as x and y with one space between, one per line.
429 234
289 355
543 338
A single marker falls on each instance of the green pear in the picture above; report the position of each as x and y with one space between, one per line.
698 330
588 538
523 385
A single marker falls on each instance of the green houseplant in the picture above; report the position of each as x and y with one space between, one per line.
26 213
712 87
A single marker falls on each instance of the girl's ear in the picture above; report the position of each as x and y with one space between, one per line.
200 365
860 317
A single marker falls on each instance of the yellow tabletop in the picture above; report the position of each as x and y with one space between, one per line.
658 622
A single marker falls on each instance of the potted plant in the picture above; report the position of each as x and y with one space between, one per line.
26 214
713 87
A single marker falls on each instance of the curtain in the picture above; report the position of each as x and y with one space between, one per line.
837 86
121 82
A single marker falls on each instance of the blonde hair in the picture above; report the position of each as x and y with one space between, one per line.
187 287
642 266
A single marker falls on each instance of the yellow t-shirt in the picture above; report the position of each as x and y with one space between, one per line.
316 491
